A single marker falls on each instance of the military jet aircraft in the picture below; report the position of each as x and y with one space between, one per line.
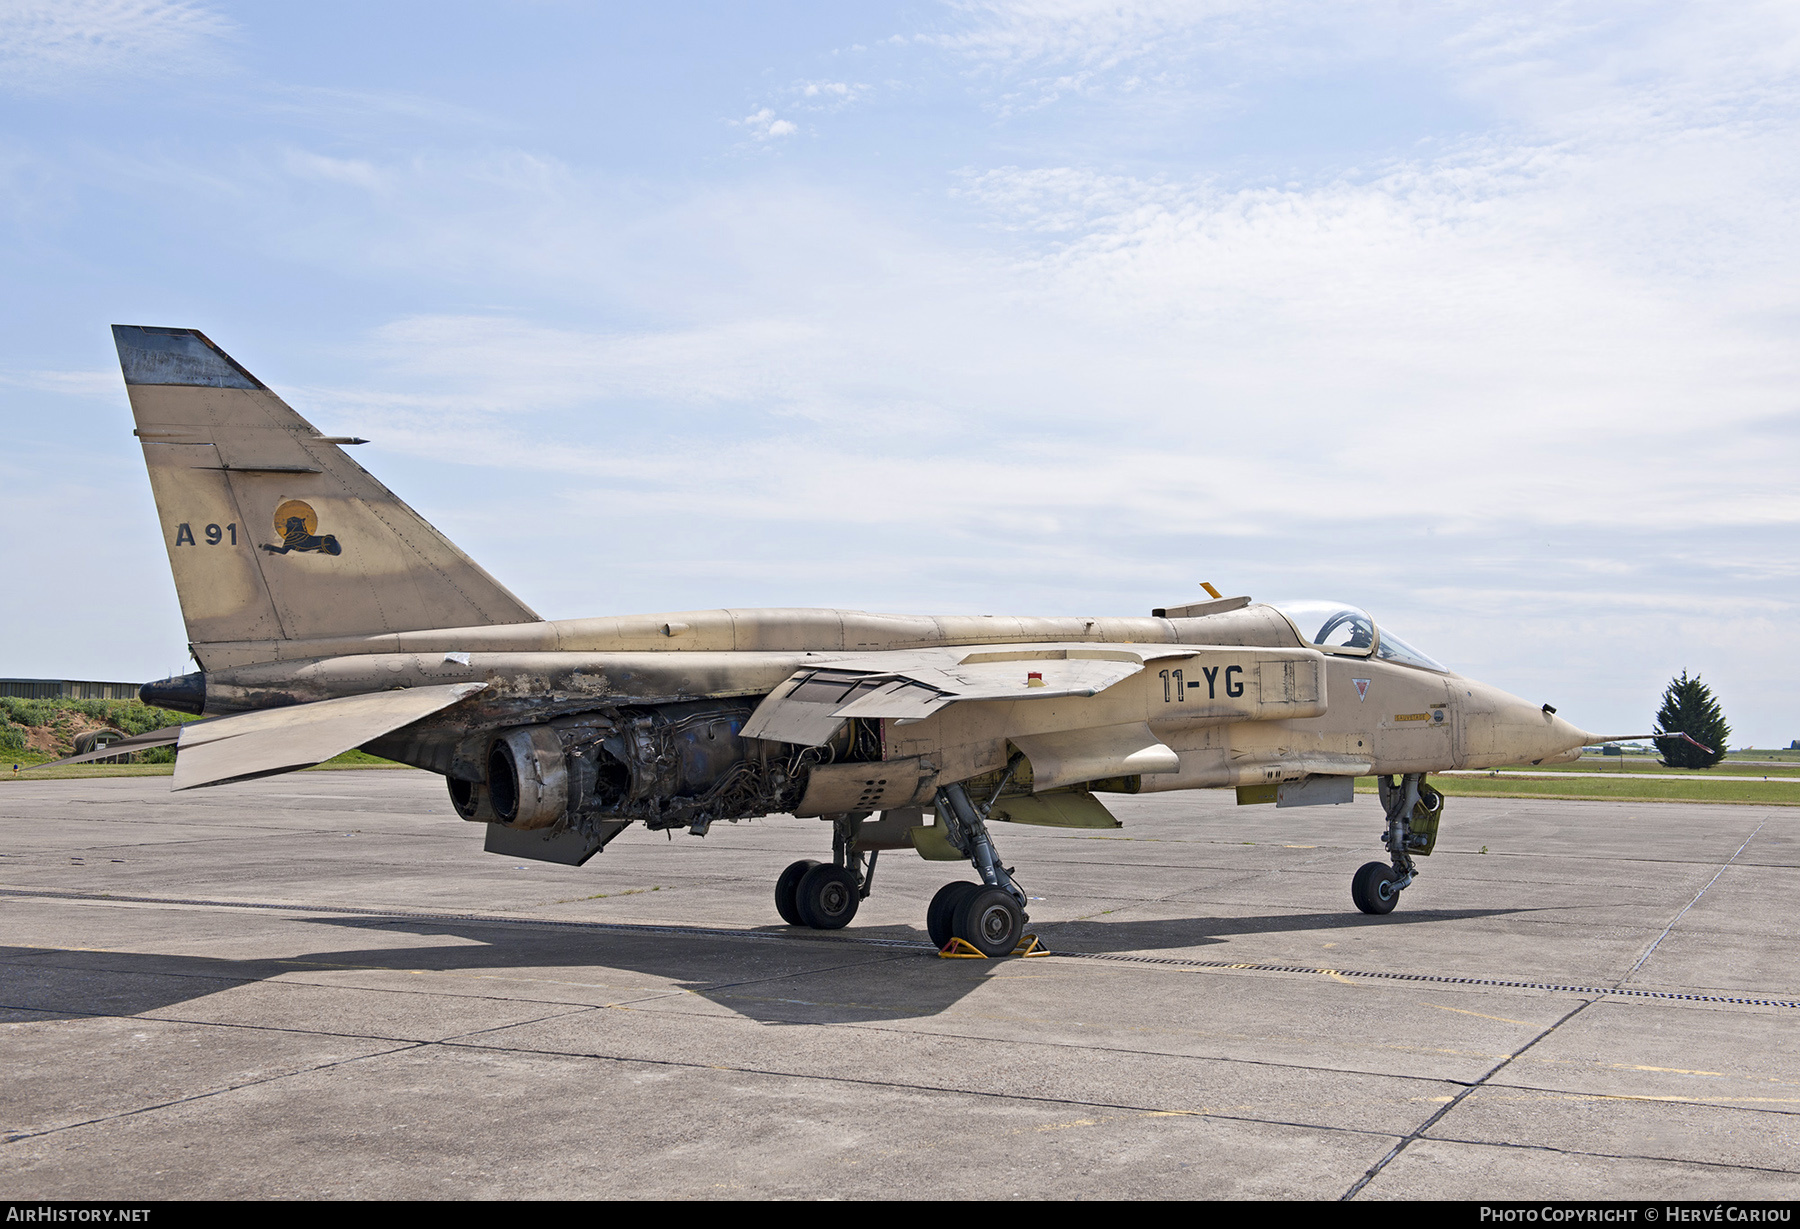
325 614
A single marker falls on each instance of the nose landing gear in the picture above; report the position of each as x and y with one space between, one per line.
1413 809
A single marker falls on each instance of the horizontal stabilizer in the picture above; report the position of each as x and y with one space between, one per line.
274 740
137 742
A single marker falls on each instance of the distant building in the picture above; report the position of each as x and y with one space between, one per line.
99 740
67 689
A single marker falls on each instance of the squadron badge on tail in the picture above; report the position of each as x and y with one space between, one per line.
296 522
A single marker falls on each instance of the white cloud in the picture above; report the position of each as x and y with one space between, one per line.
54 45
348 172
85 384
763 125
333 107
1564 64
1580 315
828 96
503 365
1099 34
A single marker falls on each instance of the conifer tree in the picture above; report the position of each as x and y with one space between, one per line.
1688 707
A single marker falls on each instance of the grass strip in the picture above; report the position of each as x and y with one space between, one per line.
1722 768
349 759
1680 789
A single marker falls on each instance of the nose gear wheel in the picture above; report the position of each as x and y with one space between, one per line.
1373 888
1413 809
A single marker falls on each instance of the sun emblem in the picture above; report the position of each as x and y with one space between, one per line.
297 525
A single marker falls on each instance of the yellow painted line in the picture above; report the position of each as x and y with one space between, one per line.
1064 1126
1503 1019
1670 1070
1202 1112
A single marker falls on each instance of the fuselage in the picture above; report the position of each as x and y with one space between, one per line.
1370 716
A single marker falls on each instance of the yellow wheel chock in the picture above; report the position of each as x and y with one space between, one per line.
962 949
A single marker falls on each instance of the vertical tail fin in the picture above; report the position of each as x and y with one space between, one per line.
273 532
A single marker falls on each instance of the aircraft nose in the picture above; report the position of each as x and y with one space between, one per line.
1503 729
1541 735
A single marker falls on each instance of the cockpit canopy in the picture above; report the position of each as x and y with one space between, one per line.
1338 628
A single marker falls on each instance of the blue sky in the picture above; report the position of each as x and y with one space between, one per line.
1482 316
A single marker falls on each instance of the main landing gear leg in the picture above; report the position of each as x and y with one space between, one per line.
1376 886
824 896
990 915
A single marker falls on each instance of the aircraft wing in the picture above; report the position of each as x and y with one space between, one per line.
274 740
910 686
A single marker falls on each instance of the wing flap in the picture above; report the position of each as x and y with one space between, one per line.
274 740
804 709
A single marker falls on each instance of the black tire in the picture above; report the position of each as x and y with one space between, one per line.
827 897
1372 888
940 915
990 921
785 888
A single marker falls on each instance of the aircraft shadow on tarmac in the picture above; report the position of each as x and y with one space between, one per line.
756 974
